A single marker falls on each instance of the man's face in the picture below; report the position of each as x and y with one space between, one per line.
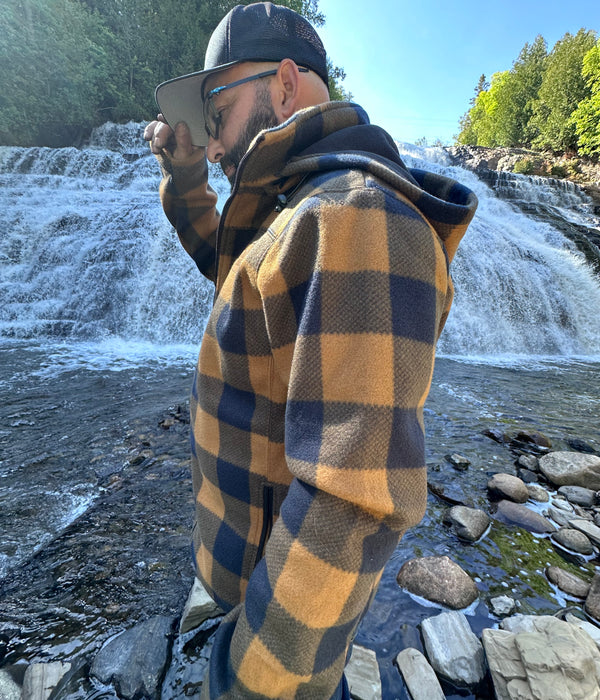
244 111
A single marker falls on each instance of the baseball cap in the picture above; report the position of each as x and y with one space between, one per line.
258 32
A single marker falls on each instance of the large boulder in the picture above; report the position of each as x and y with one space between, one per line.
439 580
572 469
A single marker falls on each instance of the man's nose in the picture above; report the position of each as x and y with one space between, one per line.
214 150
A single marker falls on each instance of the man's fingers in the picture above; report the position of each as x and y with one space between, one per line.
159 134
183 141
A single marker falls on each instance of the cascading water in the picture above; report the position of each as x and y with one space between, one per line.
86 254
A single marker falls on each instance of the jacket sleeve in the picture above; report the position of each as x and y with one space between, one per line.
354 293
190 205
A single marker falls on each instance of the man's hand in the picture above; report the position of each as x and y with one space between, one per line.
178 144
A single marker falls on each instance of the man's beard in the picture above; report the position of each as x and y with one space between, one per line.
262 117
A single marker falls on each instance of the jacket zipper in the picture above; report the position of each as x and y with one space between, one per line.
267 524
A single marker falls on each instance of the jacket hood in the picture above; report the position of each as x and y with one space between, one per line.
338 136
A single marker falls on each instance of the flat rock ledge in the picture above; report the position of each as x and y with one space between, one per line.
439 580
542 658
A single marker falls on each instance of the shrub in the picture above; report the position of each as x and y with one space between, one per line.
525 166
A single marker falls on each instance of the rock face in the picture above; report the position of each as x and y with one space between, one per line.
134 661
542 658
468 523
507 486
518 514
572 469
418 675
40 679
452 648
362 674
440 580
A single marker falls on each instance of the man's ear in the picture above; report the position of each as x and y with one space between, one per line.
286 98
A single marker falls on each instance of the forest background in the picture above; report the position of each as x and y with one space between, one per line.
71 65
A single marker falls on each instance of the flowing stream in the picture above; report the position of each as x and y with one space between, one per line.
100 324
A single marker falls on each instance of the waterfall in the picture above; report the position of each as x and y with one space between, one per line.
86 254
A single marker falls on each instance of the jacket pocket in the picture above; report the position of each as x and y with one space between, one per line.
267 524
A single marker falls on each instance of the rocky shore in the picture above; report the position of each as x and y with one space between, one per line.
549 499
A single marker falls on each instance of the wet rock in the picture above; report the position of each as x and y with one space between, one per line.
563 504
134 661
572 539
568 582
597 519
538 493
198 608
587 627
419 676
534 437
592 602
458 462
579 495
451 492
542 658
362 674
518 514
572 469
41 679
559 516
529 462
502 605
589 529
507 486
468 523
580 445
496 435
527 476
439 580
452 648
190 660
9 690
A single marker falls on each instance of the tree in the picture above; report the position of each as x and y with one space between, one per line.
586 118
563 88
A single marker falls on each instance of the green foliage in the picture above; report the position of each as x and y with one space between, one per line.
559 171
544 101
586 118
563 88
525 166
75 64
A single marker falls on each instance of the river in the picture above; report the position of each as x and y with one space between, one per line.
99 331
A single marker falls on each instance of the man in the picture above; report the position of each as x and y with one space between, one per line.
330 261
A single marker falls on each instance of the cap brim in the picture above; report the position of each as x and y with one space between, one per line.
180 100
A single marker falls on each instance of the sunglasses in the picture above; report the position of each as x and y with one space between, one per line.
212 117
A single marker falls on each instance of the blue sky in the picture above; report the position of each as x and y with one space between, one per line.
414 65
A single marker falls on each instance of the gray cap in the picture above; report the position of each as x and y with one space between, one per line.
258 32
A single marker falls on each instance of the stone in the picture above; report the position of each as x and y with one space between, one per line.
40 679
452 492
134 660
362 674
538 493
534 437
542 659
572 469
9 689
468 523
458 462
597 519
198 608
502 605
439 580
527 476
452 648
529 462
579 495
419 676
567 582
591 630
573 540
496 435
507 486
559 516
518 514
588 528
580 445
562 504
592 602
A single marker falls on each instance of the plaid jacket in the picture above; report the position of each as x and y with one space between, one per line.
332 287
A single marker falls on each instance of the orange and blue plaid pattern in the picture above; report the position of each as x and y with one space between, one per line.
307 407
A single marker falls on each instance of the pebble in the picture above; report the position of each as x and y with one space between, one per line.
538 493
458 462
529 462
502 605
